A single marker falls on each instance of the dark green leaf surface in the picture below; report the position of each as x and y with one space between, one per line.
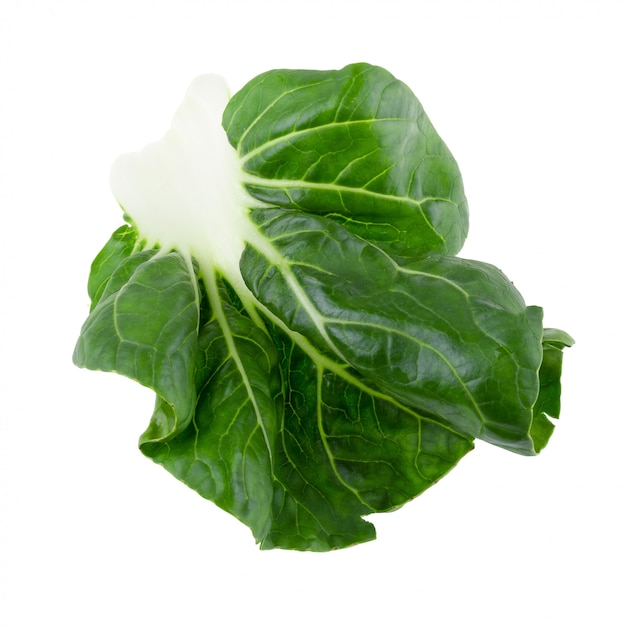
118 248
350 361
226 454
144 326
549 401
295 445
450 337
348 450
354 144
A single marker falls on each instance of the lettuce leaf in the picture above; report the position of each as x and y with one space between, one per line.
287 284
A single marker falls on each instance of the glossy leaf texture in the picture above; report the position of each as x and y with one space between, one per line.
352 359
293 443
347 450
450 336
354 144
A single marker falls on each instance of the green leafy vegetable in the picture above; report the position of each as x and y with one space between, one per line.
287 285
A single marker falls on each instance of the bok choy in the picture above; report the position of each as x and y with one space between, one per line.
287 283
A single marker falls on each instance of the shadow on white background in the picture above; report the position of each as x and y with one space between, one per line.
529 99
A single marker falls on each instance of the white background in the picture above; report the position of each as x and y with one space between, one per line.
529 98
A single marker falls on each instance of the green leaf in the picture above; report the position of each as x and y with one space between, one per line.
144 326
120 246
549 401
447 336
347 450
227 453
287 286
297 447
354 144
